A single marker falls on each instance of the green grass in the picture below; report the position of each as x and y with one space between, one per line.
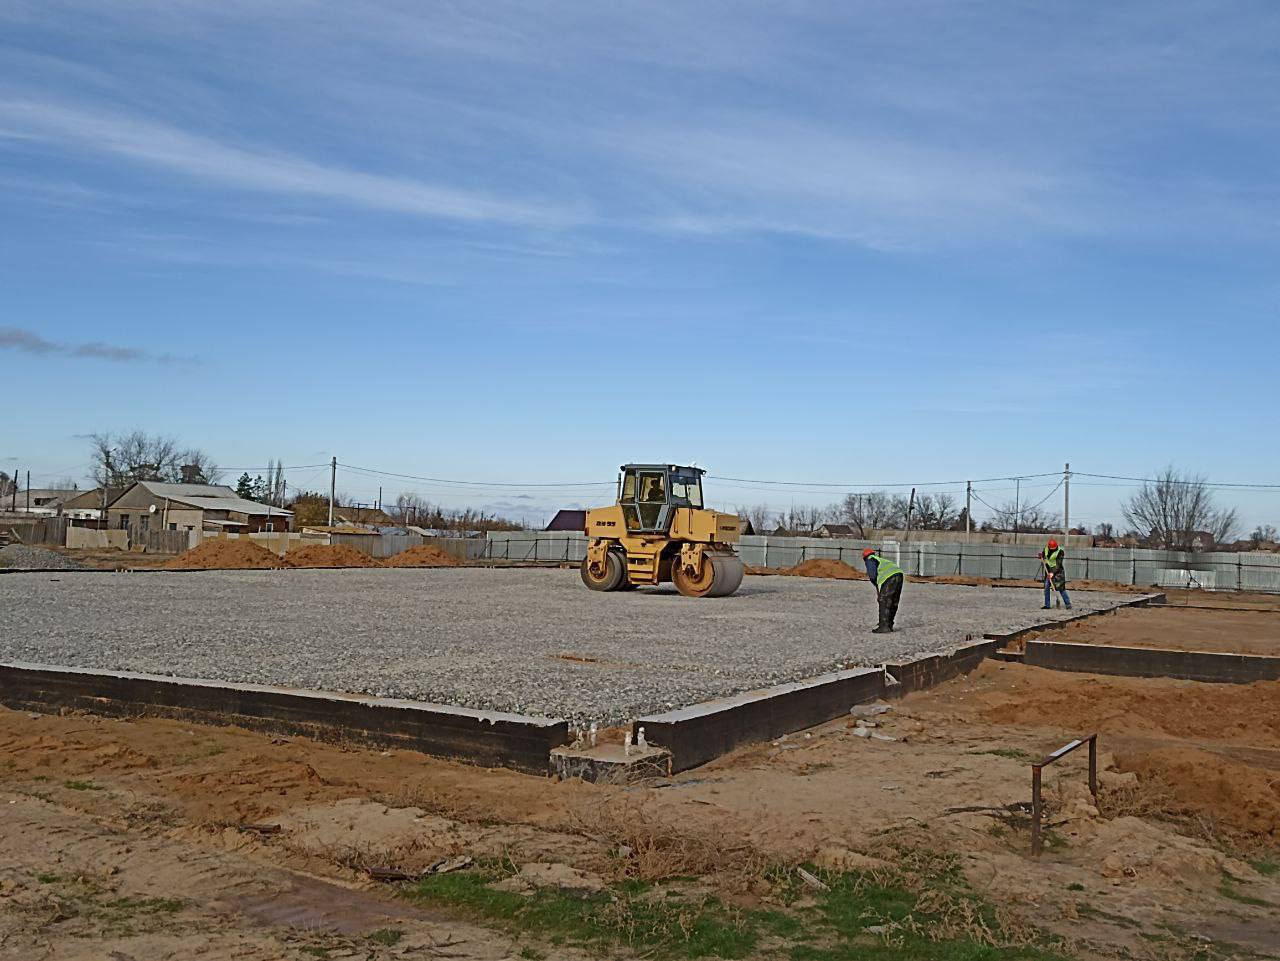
660 922
48 878
1012 753
856 903
629 914
82 786
315 951
1075 886
1264 866
1229 889
387 936
530 954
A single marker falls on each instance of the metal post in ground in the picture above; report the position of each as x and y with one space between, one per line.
1093 766
1035 810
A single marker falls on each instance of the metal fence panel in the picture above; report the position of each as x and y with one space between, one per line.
1221 571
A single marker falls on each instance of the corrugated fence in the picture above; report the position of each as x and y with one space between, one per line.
1214 571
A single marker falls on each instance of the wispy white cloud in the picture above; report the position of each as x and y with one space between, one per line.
193 155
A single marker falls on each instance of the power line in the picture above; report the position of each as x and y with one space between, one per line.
486 484
867 487
1190 483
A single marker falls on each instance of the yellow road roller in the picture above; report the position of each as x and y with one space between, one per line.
658 531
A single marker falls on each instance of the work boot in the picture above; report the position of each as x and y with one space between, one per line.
882 630
1045 608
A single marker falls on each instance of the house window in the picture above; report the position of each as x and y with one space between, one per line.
144 521
124 522
173 527
269 527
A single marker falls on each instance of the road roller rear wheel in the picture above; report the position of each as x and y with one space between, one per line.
615 573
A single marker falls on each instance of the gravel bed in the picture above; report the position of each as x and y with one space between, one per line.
525 640
24 558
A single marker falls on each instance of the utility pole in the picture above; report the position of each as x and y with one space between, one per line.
106 484
968 510
911 506
1017 507
13 497
1066 505
28 492
333 486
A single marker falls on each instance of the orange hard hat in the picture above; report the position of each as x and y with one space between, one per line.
868 552
1053 545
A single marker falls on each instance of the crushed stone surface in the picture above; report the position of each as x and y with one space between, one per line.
22 557
531 641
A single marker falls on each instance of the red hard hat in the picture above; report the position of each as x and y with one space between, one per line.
868 552
1053 545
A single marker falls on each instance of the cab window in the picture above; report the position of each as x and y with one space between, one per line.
686 489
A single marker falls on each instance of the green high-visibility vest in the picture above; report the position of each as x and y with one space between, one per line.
1052 559
884 570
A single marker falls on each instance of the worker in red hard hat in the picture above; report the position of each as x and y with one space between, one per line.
1053 568
887 577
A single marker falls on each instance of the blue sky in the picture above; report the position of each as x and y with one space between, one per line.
509 242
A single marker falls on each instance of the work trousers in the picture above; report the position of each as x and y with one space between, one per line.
890 594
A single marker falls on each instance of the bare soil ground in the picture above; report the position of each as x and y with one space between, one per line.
128 839
1254 601
1181 629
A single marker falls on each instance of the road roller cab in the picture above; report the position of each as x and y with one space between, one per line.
659 531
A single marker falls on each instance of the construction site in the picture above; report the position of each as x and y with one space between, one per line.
235 753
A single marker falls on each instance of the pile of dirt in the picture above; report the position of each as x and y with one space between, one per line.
424 555
329 555
826 567
1211 785
1245 713
220 555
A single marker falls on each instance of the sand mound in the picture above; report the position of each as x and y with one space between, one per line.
1245 713
424 555
826 567
1247 798
329 555
220 555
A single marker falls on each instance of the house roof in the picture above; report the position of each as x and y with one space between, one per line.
568 520
92 499
211 497
188 490
234 504
57 493
837 528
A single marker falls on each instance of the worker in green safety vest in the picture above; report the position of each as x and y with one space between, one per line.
1053 571
887 577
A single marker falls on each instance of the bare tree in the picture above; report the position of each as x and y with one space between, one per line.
7 484
1024 517
1263 534
122 459
758 514
1175 507
867 511
935 512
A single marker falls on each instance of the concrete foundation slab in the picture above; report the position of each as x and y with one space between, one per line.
490 738
529 642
